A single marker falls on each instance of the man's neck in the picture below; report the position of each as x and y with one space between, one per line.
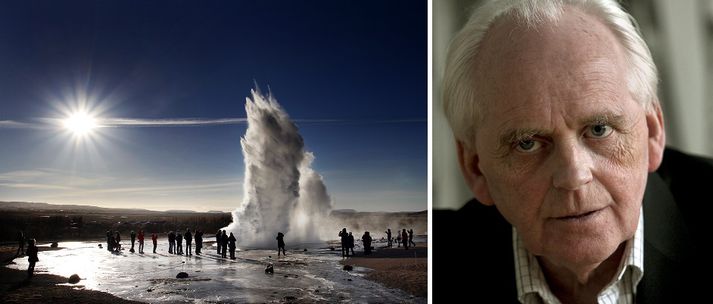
583 283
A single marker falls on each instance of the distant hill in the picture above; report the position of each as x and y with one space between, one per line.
341 212
39 207
63 222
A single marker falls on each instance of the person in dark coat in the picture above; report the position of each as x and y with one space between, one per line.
224 244
410 238
404 238
189 238
231 245
21 243
133 240
199 241
366 239
154 238
179 243
140 236
171 242
345 240
350 244
218 239
109 240
389 242
280 244
31 256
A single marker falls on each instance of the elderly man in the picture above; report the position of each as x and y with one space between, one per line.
560 138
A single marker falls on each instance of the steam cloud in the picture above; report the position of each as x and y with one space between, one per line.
281 191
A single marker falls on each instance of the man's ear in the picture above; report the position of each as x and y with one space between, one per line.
474 178
656 136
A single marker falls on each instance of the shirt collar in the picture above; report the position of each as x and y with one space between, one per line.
531 281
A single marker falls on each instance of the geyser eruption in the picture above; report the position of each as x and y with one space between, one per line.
281 192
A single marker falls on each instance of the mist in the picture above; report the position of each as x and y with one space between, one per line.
281 191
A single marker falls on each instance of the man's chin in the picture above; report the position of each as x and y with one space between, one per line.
582 253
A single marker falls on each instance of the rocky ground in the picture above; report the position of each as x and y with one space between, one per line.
396 268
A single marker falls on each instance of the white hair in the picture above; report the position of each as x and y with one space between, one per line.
459 96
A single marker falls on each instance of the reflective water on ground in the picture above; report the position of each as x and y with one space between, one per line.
308 276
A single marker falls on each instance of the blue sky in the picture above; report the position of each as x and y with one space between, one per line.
351 73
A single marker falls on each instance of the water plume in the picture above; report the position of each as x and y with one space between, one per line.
281 192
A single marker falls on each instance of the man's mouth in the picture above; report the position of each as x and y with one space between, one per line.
580 217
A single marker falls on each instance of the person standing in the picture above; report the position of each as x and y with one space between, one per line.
171 242
350 243
21 243
366 239
133 240
404 238
224 244
231 244
31 257
410 238
345 240
141 241
109 240
280 244
154 238
189 238
199 241
179 243
388 238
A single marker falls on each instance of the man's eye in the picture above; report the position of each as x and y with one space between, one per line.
599 131
528 145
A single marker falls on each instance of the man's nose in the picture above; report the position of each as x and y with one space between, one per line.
573 166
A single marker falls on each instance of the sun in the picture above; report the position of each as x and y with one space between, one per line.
80 123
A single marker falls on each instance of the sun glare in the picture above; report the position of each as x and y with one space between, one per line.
80 123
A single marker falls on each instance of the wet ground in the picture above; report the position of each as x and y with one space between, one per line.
308 276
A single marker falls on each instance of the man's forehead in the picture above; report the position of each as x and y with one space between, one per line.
525 69
512 53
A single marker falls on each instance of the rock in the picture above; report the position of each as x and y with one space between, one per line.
181 275
74 279
348 268
349 280
54 245
269 269
305 250
331 248
100 246
149 290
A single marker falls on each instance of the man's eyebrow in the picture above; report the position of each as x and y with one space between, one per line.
604 119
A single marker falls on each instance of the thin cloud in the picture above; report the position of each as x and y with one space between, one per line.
169 122
11 124
194 122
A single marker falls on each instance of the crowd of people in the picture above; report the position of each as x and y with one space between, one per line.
225 243
405 238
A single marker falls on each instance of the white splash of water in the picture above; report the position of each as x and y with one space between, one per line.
281 191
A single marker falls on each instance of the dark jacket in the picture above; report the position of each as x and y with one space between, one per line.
677 205
32 253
